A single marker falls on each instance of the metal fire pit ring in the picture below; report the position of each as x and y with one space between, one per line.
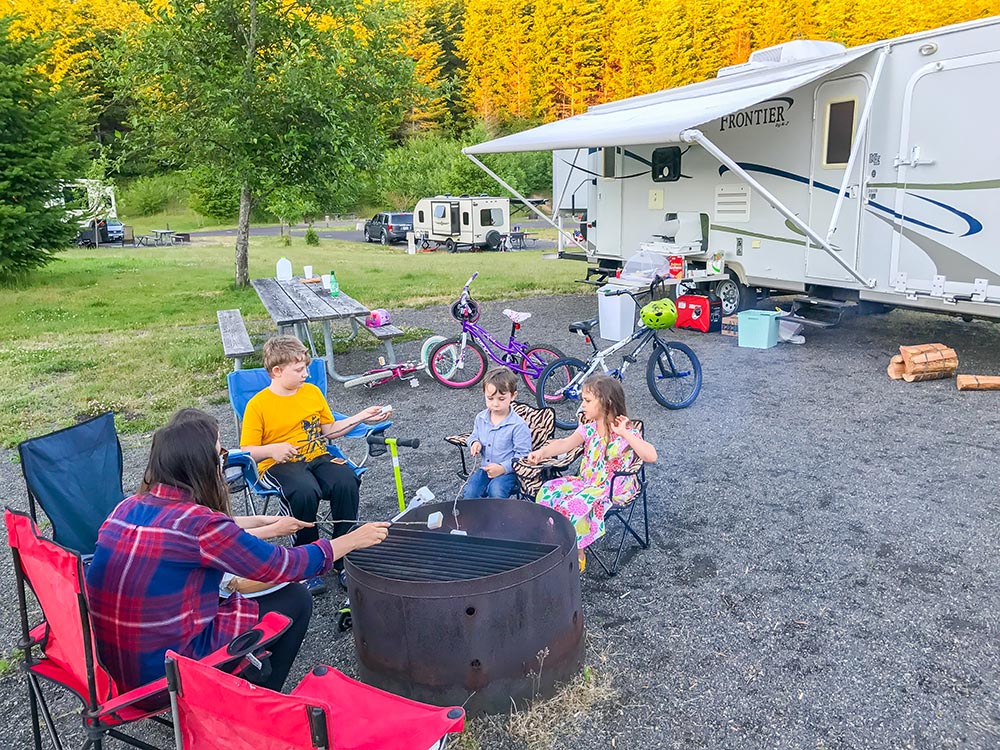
482 641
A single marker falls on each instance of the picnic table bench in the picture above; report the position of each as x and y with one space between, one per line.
293 305
235 339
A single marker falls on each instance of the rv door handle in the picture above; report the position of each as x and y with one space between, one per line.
852 191
913 161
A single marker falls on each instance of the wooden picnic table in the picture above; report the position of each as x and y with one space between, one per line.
293 305
163 236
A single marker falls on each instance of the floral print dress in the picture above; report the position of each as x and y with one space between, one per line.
585 499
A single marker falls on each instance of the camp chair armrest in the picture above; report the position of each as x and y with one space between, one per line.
227 658
639 473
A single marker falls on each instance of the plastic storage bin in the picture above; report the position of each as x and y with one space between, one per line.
758 329
616 314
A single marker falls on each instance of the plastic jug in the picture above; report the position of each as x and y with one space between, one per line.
283 272
334 285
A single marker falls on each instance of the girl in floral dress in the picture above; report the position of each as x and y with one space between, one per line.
609 440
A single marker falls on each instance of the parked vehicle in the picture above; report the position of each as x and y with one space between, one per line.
865 174
116 230
388 228
462 221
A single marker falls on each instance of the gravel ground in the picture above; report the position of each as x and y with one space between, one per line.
822 572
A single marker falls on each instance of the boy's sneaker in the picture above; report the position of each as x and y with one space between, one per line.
342 577
315 585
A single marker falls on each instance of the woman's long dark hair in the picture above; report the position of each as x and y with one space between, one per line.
184 456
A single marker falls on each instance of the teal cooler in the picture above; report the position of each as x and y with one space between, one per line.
758 329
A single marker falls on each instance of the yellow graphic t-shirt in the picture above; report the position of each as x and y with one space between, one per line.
295 419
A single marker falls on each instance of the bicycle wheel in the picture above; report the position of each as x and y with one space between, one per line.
559 387
455 366
673 374
538 357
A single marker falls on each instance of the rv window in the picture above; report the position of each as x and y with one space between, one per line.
439 211
420 216
666 164
491 217
465 218
839 133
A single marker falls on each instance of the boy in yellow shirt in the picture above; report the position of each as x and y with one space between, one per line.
285 429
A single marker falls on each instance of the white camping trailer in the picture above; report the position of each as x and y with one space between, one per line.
871 172
462 221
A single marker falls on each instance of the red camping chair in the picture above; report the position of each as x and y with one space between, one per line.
326 711
68 655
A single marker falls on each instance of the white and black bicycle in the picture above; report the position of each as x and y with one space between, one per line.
673 372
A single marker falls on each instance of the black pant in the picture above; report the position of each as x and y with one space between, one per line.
293 601
304 484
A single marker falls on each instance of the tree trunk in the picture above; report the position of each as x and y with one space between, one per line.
243 238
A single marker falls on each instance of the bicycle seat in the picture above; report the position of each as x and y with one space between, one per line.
516 317
583 327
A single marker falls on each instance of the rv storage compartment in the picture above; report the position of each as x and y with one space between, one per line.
616 314
758 329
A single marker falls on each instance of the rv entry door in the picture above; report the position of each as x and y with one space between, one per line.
445 218
838 105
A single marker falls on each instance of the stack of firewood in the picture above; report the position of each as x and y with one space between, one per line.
923 362
934 361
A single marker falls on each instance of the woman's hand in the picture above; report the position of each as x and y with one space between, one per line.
282 452
534 457
369 535
620 425
285 526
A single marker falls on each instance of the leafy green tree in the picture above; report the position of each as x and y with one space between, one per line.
268 94
42 145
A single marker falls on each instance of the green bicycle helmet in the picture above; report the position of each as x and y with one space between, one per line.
658 314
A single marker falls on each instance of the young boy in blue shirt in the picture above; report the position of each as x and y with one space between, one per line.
500 435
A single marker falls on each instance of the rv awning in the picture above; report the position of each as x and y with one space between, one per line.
661 117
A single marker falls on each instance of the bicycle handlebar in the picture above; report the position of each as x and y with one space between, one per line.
400 442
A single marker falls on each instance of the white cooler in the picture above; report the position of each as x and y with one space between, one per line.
616 314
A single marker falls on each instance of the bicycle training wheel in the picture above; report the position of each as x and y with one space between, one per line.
455 366
536 359
673 374
559 387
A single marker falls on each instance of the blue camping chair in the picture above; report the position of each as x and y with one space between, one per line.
75 475
244 385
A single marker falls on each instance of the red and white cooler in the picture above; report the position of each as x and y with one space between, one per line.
699 312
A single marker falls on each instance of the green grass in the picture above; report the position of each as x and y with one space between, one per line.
179 219
134 329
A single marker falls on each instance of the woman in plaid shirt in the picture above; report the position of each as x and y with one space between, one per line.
154 582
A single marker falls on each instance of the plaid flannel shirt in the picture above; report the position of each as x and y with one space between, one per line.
153 584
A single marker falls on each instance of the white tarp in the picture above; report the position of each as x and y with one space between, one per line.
661 117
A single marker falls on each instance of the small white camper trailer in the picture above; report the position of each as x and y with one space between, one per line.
870 173
462 221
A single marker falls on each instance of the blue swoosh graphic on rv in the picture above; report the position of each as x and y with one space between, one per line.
975 226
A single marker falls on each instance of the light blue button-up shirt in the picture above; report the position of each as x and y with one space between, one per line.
503 443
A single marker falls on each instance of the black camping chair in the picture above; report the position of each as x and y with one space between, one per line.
622 511
75 474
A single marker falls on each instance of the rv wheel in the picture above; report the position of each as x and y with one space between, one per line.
450 246
735 295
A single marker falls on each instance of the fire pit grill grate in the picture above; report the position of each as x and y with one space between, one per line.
410 555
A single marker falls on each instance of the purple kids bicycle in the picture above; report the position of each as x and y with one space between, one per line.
461 362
